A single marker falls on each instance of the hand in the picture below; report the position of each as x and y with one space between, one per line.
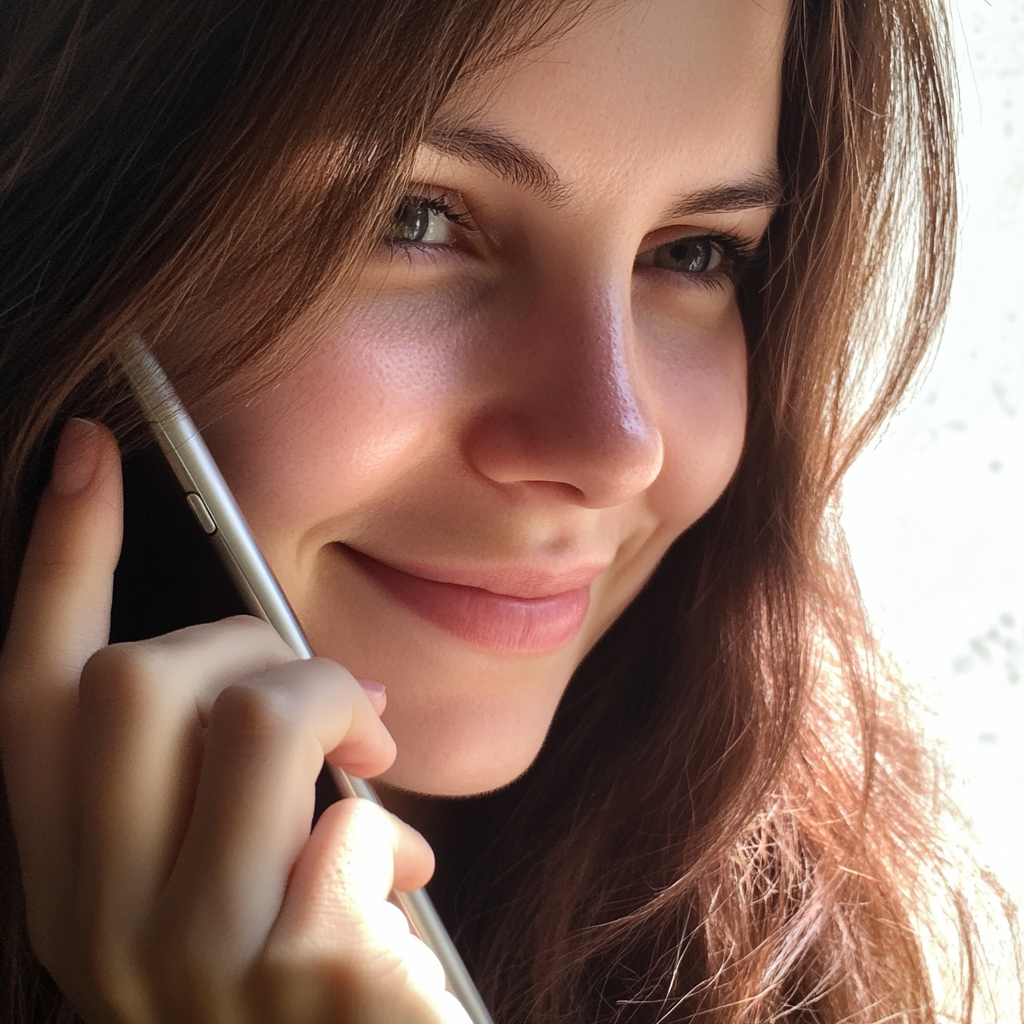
161 795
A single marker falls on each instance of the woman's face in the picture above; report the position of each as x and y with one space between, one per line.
540 385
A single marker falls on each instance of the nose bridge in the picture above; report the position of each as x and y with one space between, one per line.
579 408
594 375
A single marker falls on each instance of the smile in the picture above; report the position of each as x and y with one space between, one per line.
532 613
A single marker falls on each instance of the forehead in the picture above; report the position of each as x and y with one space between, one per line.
673 86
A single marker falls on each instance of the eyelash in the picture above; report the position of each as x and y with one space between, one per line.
739 255
448 205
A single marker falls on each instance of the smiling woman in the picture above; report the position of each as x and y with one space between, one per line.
533 387
533 339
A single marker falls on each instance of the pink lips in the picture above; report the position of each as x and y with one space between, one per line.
510 611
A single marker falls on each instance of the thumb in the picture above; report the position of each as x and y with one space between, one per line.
351 952
355 856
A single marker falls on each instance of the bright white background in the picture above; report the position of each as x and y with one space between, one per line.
934 512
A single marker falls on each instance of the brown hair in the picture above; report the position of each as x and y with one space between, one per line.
731 818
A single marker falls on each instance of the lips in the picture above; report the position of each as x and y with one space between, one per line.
510 610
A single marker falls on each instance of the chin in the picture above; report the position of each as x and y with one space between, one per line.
454 783
463 758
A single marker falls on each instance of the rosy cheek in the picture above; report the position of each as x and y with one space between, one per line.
351 418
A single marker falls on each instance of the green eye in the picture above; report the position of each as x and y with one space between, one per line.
687 255
422 220
411 220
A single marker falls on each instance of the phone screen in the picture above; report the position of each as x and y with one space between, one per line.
169 574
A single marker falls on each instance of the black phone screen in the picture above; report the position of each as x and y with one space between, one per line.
169 575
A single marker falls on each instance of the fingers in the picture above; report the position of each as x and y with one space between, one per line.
139 755
355 947
264 747
189 837
162 792
60 617
356 855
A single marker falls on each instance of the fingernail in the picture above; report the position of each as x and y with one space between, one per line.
77 457
375 691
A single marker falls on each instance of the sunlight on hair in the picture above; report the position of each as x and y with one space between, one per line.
933 512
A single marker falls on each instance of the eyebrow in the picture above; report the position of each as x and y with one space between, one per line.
521 167
502 154
762 189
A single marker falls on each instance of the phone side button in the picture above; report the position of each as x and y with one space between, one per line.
201 512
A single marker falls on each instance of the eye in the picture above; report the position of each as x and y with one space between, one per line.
696 254
420 220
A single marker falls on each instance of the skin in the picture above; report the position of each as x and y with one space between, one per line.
525 401
522 397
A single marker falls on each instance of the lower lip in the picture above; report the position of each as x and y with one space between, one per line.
497 622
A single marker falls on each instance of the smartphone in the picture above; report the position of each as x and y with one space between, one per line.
250 585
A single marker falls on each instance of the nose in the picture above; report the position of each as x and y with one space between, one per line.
568 407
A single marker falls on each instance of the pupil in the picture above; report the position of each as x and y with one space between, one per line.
693 253
410 221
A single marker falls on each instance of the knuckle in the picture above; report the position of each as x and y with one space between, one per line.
123 679
253 623
329 670
318 685
299 675
250 712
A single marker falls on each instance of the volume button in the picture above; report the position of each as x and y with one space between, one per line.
201 512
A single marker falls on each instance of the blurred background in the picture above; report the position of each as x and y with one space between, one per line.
934 512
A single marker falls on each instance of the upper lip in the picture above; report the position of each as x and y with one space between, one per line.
516 580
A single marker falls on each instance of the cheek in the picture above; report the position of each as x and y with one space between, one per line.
700 391
362 409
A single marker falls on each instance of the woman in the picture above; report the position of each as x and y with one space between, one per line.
533 338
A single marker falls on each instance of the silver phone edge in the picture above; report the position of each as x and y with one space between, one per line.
198 474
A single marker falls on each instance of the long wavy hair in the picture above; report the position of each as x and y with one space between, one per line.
732 818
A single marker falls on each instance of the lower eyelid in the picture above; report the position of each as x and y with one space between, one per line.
417 252
721 279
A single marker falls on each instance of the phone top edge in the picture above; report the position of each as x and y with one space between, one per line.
198 473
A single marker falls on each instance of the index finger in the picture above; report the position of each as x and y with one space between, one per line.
61 616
